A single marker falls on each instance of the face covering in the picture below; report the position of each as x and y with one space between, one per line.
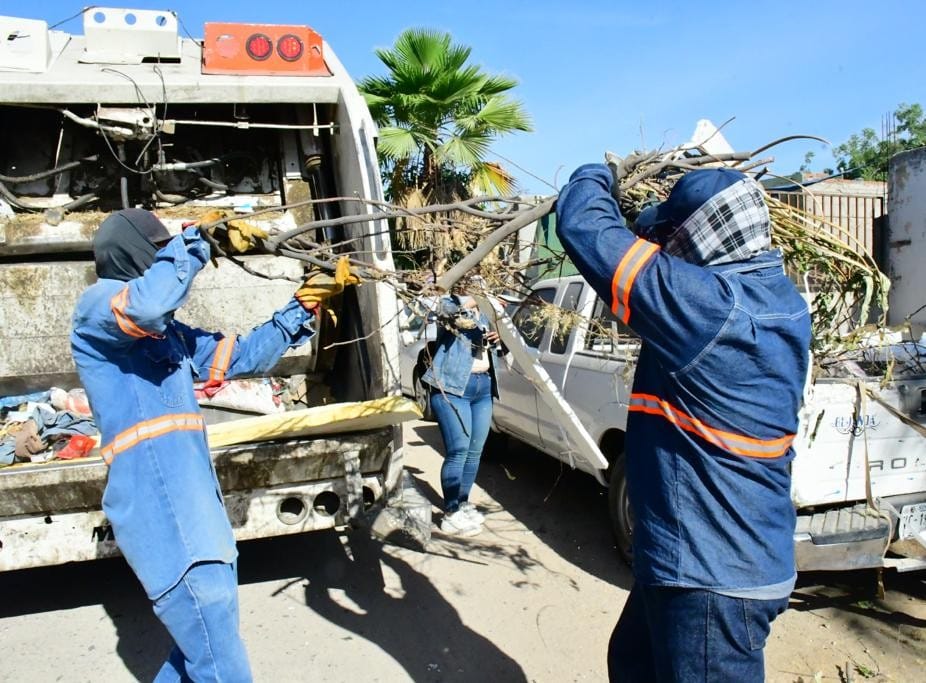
711 217
125 244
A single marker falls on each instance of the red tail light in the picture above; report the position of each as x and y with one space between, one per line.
259 47
290 47
263 49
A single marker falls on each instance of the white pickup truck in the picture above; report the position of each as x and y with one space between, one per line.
839 526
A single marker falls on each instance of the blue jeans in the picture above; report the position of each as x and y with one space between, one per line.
688 635
201 615
464 423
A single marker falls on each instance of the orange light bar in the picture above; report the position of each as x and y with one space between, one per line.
262 50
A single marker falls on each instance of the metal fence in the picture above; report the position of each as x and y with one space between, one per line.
855 214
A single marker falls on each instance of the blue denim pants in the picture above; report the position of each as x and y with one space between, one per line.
686 635
201 615
464 423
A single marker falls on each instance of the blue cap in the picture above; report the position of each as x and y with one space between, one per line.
688 195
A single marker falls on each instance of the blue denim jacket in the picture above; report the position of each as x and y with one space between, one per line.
137 365
715 399
453 357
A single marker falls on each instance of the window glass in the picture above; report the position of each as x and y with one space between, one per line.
528 320
563 331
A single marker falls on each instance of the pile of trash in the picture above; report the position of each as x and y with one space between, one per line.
58 425
46 425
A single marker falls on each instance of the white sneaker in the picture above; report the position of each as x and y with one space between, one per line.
459 524
472 512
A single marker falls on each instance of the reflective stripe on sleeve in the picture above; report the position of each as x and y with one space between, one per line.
150 429
625 274
118 304
221 359
733 443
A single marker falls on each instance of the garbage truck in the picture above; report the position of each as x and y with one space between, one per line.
258 121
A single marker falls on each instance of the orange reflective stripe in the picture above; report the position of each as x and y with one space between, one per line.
625 274
118 304
618 273
150 429
221 359
648 252
729 441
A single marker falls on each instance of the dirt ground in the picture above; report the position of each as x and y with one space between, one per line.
533 598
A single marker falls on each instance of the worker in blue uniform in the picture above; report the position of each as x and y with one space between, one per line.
712 414
138 364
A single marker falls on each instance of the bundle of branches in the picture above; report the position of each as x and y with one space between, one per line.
463 237
842 277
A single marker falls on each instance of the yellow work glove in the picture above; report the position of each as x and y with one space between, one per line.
320 286
241 236
233 237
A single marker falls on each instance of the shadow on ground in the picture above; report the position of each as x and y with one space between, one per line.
143 644
565 508
854 598
345 584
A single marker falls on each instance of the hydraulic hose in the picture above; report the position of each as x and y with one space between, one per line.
14 179
23 205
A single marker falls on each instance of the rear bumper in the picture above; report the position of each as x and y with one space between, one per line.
851 538
51 514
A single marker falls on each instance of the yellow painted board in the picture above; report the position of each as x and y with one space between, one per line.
330 419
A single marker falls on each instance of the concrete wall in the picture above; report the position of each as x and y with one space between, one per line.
906 244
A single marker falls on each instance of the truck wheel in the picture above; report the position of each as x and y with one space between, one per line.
619 509
423 395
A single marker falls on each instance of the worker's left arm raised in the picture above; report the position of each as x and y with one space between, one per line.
675 306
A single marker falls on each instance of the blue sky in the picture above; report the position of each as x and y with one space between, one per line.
609 74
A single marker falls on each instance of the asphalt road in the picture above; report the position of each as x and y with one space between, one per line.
533 598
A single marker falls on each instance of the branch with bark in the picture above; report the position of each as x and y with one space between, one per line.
471 236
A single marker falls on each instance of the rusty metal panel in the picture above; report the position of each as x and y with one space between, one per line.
37 302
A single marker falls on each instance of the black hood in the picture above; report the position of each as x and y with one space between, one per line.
124 246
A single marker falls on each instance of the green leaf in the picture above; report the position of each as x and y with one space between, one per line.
396 143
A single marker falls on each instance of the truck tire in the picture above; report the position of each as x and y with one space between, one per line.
423 395
619 509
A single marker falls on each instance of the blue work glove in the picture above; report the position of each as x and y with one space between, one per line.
196 246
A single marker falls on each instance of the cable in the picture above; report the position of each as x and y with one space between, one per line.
185 29
74 16
142 100
118 160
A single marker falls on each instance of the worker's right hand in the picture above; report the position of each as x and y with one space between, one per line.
320 286
196 246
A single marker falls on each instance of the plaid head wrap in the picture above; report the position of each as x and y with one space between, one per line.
712 216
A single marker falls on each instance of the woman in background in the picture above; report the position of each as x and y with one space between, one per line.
462 375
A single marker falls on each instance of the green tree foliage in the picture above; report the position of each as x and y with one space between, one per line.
437 116
865 155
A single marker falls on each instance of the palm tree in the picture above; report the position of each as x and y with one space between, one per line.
437 117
